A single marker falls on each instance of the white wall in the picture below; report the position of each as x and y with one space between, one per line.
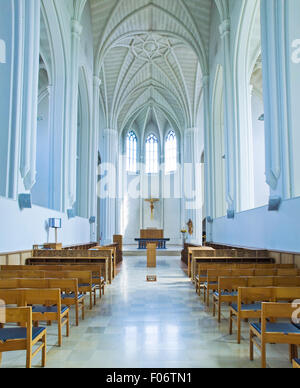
20 230
262 229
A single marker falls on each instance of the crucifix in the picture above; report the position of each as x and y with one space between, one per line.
152 202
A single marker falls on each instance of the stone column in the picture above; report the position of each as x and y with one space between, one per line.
71 145
230 132
109 185
31 42
94 157
277 107
191 189
208 161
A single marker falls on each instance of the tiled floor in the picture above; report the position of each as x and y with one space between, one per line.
140 324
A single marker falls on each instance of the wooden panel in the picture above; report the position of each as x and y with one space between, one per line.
151 255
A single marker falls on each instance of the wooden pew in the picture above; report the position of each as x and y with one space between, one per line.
109 251
296 363
118 240
85 281
249 302
185 253
104 257
46 306
229 256
229 283
261 270
69 288
274 332
22 338
213 276
96 269
80 246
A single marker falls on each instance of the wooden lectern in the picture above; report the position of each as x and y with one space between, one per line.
151 255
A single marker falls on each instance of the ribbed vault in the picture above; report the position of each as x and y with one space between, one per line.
150 56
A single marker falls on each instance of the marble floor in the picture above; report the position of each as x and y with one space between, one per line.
155 325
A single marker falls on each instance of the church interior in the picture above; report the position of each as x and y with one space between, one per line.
149 184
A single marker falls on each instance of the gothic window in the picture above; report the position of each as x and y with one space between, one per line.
171 152
152 154
131 152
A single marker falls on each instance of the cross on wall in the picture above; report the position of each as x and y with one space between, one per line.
2 51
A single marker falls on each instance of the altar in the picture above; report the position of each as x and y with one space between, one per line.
152 236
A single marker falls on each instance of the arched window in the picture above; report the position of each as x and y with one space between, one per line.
131 152
171 152
151 154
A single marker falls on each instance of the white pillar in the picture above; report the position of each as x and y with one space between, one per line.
17 90
192 185
71 145
94 156
109 185
230 133
273 27
208 161
31 41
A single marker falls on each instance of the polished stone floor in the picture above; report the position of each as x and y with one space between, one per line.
155 325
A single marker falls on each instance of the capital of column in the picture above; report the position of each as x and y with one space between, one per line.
224 28
76 28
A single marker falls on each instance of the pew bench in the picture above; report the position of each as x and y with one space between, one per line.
227 292
46 306
97 270
250 300
229 260
274 332
22 338
296 363
105 262
85 280
69 290
260 270
213 276
233 284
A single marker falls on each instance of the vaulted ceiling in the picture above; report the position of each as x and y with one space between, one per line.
150 56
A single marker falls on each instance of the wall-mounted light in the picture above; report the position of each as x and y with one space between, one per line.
71 213
92 220
55 223
25 201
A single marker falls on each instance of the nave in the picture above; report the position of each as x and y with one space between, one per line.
151 325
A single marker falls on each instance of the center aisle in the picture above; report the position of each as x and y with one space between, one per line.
155 325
